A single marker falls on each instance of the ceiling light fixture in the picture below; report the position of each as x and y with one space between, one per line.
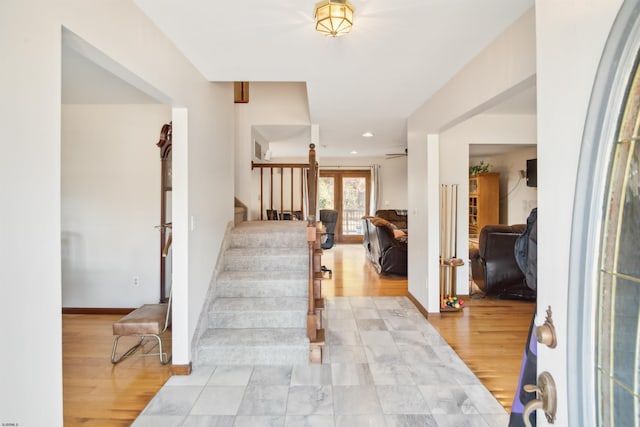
334 17
368 134
354 152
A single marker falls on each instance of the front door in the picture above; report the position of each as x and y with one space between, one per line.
603 316
347 192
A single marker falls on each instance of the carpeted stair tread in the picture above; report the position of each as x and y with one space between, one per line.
262 284
271 227
263 346
265 259
241 313
267 252
269 234
260 304
262 277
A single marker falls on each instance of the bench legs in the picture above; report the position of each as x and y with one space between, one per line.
164 358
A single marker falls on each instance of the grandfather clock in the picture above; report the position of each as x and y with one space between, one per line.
165 212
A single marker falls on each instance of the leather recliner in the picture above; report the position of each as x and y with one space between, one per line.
387 254
494 261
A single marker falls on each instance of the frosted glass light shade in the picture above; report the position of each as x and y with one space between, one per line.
334 17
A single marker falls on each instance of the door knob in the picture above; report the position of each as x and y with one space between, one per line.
545 398
546 333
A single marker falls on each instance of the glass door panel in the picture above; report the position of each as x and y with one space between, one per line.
326 192
354 205
348 193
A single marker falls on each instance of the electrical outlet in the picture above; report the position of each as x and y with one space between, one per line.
135 281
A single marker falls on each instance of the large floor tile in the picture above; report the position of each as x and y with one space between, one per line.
264 400
401 399
173 400
356 400
219 400
310 400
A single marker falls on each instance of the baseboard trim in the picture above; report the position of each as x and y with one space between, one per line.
95 310
181 369
419 306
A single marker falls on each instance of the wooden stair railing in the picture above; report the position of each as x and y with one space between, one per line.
315 331
295 170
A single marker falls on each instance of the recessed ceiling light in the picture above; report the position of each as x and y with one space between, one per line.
354 152
367 134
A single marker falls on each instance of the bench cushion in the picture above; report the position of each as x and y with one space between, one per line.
148 319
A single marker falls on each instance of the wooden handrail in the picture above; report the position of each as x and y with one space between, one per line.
255 165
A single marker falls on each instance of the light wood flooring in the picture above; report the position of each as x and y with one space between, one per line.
489 335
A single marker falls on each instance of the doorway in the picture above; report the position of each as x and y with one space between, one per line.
349 193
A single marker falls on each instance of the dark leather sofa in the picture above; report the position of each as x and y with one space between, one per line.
493 263
387 253
396 217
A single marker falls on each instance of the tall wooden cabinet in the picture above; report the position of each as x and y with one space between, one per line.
484 201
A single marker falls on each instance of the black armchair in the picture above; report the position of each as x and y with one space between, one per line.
329 218
494 263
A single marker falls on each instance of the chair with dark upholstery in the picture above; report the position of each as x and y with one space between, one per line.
494 264
329 218
387 253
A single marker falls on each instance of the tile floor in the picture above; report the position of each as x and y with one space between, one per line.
384 365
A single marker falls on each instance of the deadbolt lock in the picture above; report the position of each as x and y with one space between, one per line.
546 333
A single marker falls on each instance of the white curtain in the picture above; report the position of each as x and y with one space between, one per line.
375 189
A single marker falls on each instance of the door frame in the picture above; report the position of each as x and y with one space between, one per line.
337 202
619 60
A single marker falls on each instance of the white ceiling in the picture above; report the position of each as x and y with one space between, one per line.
397 55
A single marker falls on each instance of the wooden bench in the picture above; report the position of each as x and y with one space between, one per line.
150 320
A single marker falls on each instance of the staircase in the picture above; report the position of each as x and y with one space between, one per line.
257 314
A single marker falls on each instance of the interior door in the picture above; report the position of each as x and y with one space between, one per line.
349 193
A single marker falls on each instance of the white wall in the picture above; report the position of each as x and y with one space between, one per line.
516 199
269 104
393 183
570 39
30 35
110 204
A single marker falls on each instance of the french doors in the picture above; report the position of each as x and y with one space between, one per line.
348 192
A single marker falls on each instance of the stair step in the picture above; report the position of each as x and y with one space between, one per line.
261 259
262 284
269 234
241 313
263 346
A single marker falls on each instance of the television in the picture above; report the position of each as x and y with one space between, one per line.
532 173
